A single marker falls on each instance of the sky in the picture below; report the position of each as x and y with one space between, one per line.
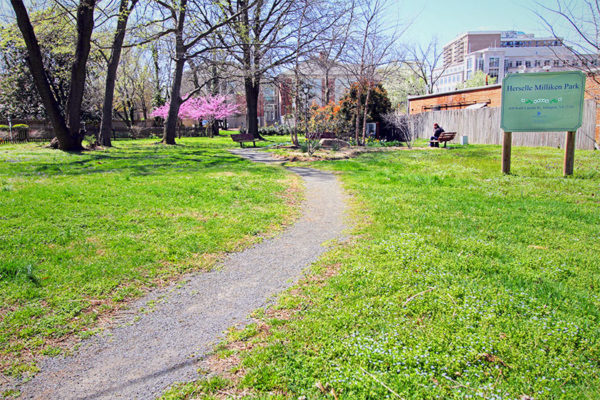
447 19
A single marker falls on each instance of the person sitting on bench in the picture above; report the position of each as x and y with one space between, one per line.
437 131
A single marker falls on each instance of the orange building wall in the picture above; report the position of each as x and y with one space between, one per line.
457 101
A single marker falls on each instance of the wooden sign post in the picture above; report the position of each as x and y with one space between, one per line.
542 102
506 149
569 153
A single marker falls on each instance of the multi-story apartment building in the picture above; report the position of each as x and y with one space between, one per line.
499 53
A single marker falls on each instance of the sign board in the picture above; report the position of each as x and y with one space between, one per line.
542 102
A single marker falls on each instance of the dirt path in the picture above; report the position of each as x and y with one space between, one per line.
148 352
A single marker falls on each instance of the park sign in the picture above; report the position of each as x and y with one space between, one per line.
542 102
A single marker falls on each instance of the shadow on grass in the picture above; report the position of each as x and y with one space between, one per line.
141 162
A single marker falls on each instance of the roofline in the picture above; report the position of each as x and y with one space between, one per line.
473 89
461 35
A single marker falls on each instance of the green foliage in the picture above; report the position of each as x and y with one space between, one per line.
464 283
379 103
55 33
130 217
204 388
400 83
16 127
18 95
478 79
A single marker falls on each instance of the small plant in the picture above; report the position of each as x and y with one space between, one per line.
304 146
90 139
18 272
313 145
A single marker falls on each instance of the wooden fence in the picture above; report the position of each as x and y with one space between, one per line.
483 127
45 135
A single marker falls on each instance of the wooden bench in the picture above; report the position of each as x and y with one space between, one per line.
444 137
242 138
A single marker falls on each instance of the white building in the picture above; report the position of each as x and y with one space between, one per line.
499 53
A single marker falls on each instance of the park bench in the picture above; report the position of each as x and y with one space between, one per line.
242 138
444 137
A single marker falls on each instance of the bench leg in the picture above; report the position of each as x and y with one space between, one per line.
445 144
254 143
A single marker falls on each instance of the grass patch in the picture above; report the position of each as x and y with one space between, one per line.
82 233
464 283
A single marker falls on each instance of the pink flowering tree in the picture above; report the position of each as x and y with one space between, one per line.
211 108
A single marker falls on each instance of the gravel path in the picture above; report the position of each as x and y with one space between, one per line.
147 352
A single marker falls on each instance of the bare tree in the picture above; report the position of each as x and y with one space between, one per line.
188 41
125 9
579 24
333 36
134 86
266 36
427 63
373 47
404 126
66 125
316 19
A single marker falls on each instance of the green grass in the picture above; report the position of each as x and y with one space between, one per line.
81 233
459 283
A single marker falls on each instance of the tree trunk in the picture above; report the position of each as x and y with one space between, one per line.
171 124
252 90
172 117
296 117
357 115
296 109
66 140
327 88
365 113
85 26
111 74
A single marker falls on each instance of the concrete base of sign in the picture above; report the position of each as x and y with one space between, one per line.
464 140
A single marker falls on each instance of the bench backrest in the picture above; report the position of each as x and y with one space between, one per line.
447 136
242 137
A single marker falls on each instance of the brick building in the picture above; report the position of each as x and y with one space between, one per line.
485 96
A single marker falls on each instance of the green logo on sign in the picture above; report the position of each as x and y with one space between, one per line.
542 102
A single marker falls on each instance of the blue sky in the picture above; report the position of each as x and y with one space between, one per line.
446 19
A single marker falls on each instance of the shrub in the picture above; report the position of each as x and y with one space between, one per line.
275 130
19 131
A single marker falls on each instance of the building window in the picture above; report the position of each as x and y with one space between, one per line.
546 62
270 112
538 63
518 63
509 64
528 64
494 62
480 64
493 73
269 93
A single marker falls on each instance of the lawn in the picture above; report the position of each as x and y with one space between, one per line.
80 234
458 282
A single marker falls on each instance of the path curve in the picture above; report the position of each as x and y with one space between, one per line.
148 352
